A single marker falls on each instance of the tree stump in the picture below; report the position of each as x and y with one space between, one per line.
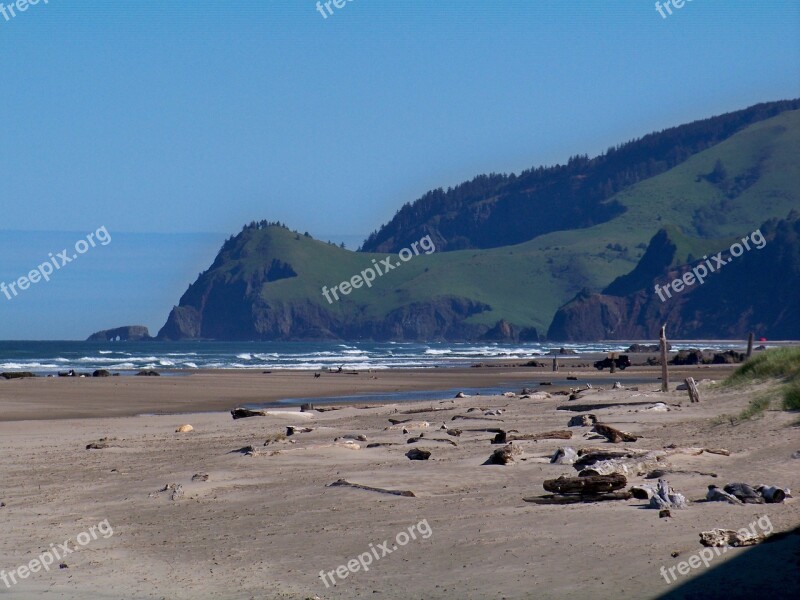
691 387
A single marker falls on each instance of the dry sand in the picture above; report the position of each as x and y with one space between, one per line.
264 526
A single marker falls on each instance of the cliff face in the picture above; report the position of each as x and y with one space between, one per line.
243 296
438 319
758 291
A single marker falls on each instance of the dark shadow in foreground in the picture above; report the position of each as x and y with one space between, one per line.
768 570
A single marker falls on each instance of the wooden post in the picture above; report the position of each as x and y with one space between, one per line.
664 367
613 362
694 395
555 363
749 346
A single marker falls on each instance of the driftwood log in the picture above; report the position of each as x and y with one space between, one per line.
599 405
599 484
587 458
613 435
416 411
414 440
728 537
244 413
502 437
630 467
576 499
358 486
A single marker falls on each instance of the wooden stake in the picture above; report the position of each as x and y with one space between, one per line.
694 395
555 363
664 367
749 345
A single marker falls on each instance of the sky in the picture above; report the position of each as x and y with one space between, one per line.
197 117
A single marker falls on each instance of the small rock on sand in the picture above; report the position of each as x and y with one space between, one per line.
184 429
418 454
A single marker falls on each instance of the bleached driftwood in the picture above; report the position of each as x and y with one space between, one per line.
408 425
502 437
728 537
630 467
691 386
666 498
564 456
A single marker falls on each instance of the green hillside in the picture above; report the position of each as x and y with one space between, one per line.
715 196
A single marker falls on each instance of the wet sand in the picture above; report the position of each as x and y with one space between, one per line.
74 397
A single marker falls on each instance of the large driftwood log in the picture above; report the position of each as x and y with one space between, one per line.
417 411
630 467
599 405
502 437
587 459
598 484
615 436
345 483
575 498
728 537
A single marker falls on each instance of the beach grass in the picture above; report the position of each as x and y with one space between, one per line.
780 363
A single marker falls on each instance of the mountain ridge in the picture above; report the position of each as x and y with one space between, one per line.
718 193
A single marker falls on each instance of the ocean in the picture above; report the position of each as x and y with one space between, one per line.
44 357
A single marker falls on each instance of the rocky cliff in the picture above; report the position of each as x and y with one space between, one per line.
758 291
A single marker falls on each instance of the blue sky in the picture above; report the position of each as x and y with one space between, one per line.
187 117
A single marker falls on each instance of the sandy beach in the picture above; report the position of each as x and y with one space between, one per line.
266 525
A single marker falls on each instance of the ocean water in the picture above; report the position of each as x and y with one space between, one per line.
51 357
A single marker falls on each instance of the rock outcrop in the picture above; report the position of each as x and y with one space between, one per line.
128 333
751 292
